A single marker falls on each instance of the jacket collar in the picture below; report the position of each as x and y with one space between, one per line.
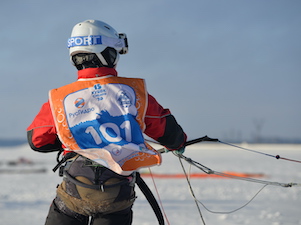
96 72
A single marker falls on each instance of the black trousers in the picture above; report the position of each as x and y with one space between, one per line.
56 217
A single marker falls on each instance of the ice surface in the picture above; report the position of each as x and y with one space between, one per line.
25 197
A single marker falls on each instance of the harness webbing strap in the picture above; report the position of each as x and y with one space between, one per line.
67 176
69 155
137 179
150 198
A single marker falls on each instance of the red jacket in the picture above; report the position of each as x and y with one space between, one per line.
160 124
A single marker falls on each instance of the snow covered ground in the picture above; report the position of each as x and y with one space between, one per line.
25 197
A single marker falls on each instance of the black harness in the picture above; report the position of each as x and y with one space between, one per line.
136 178
150 198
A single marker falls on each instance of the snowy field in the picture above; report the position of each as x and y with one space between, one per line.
25 197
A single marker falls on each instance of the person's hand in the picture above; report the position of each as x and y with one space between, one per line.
180 151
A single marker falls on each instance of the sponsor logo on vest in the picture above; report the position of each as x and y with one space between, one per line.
79 103
116 151
80 112
98 92
124 100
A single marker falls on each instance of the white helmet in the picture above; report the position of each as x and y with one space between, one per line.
94 36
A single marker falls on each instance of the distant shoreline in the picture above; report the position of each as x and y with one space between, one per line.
8 142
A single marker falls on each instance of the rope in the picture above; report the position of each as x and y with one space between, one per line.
206 138
250 150
159 199
227 212
235 210
210 171
192 192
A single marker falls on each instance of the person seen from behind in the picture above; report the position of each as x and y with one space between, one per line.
98 123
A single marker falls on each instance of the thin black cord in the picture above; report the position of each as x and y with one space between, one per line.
250 150
192 192
211 211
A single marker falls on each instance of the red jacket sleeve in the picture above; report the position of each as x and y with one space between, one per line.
41 134
162 126
155 120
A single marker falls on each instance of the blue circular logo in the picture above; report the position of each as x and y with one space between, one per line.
79 103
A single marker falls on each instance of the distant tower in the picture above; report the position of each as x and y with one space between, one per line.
258 123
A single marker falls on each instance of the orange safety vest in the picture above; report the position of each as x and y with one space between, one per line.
103 119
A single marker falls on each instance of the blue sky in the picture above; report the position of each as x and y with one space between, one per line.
226 69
